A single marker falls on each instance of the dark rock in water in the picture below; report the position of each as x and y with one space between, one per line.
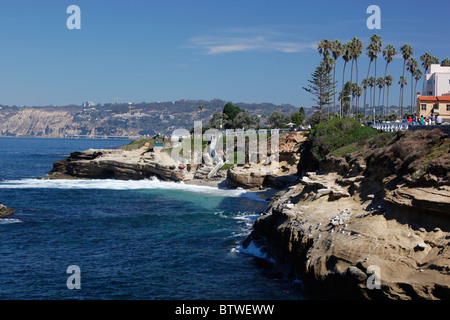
5 211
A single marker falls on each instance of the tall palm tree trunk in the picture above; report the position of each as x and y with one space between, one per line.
384 89
401 91
343 81
387 97
334 90
415 90
364 107
412 92
351 82
379 97
375 80
357 99
368 72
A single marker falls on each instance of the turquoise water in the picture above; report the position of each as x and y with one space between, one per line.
131 239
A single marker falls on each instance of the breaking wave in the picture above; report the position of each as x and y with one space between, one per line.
9 220
111 184
254 250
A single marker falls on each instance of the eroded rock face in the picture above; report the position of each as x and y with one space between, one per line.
5 211
117 164
246 177
426 199
273 174
337 246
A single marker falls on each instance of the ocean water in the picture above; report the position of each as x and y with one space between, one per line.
131 240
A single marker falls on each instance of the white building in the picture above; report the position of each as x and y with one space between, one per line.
87 104
437 81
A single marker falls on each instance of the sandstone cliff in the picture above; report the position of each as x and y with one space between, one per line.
37 122
118 164
374 224
277 175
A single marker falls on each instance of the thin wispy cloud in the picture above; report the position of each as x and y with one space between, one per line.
241 40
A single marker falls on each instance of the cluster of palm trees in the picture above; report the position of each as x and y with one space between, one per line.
351 52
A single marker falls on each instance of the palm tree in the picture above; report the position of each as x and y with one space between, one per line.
372 84
402 84
445 62
380 83
358 94
417 76
346 56
323 47
365 84
388 53
375 49
426 63
388 81
412 67
336 49
356 50
407 52
371 55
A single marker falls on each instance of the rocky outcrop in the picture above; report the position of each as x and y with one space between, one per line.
271 175
336 245
372 225
247 177
436 200
117 164
5 211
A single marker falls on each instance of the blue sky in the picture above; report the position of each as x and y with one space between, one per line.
240 51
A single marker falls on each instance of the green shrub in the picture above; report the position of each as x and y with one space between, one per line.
137 144
226 166
336 133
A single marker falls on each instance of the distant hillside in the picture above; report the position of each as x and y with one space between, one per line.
119 119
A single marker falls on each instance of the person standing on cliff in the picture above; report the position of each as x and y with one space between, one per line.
432 119
439 120
422 120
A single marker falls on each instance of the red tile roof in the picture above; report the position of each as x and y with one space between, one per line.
428 98
432 98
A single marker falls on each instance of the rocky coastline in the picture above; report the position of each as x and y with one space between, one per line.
374 224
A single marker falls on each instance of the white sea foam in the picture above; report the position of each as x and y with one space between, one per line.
111 184
246 224
9 220
254 250
247 221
